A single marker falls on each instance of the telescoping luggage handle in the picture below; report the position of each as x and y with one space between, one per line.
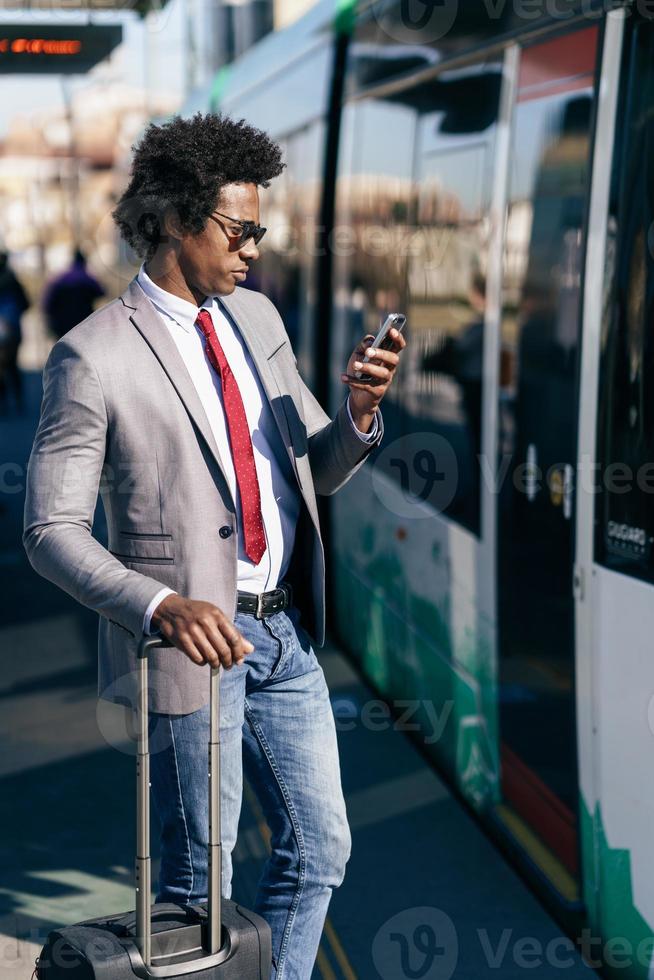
143 871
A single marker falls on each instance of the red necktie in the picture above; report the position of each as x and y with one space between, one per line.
241 443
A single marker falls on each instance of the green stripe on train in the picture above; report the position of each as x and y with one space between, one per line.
627 943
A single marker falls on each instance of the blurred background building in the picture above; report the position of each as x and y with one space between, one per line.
66 133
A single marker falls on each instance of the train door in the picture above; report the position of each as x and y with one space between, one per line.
615 529
549 171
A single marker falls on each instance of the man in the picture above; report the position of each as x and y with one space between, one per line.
182 402
70 296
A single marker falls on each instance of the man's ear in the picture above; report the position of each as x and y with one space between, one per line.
172 225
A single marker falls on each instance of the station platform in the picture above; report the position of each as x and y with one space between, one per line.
426 895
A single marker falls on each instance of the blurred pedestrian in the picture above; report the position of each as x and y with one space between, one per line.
13 303
70 297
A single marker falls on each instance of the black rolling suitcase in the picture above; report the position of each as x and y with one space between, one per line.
214 940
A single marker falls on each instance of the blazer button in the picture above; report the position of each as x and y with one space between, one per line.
225 531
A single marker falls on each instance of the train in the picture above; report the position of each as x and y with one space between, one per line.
484 169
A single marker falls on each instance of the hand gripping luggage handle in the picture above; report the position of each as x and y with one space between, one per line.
143 870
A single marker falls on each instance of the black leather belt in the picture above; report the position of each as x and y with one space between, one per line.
265 603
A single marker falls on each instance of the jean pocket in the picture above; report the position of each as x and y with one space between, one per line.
281 640
301 637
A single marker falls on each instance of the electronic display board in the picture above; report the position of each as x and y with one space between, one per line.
55 48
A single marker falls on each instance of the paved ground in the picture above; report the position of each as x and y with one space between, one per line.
426 894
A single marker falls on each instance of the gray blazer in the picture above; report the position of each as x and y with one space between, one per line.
120 416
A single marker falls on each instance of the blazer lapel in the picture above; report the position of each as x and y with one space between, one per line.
149 324
262 346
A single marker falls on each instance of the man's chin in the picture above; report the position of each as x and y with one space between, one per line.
226 288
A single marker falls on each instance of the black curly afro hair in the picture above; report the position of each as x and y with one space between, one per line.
182 165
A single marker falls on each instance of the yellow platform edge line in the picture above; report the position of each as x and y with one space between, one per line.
339 952
324 965
542 857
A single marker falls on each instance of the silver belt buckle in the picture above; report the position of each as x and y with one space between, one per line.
259 610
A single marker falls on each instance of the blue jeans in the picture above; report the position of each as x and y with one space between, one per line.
276 721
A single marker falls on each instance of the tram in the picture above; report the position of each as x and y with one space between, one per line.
489 171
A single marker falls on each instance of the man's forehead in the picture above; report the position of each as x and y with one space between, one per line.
242 200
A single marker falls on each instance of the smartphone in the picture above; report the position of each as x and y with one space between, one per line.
382 340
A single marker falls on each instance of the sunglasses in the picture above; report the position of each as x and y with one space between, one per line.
248 230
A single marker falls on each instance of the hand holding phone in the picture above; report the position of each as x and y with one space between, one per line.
383 341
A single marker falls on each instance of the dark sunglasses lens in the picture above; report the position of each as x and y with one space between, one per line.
251 231
246 234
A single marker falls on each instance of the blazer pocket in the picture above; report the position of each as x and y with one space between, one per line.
157 549
280 346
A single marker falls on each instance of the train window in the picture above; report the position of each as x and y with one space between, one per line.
372 209
547 194
419 216
393 40
286 269
453 173
624 510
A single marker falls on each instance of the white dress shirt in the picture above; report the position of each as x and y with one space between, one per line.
279 491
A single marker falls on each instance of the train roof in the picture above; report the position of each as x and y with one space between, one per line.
273 54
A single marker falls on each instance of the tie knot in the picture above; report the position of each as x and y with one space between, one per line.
205 322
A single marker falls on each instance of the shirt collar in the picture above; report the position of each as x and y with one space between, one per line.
180 310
